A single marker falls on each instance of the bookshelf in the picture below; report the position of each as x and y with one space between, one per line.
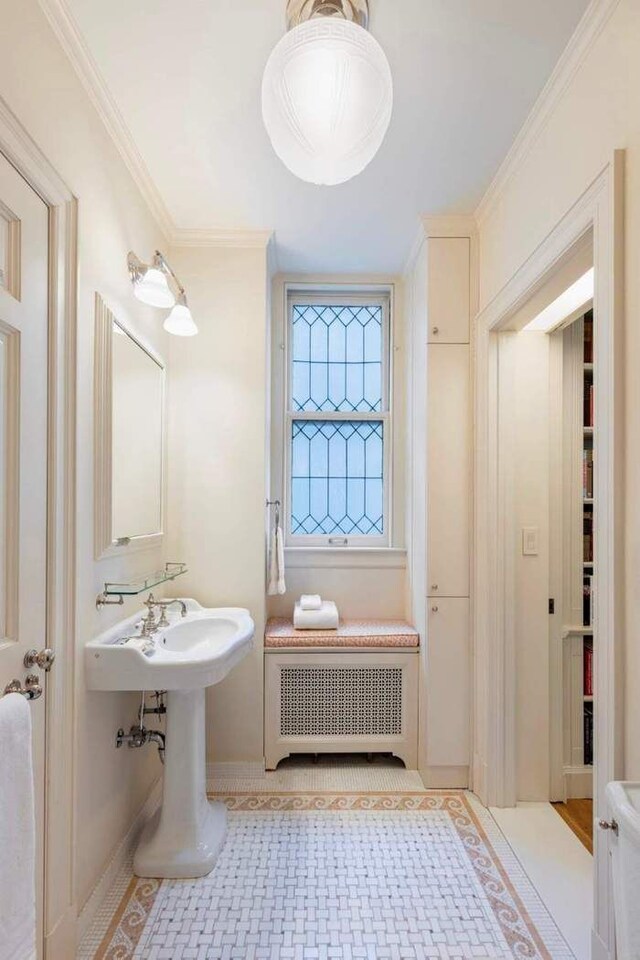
580 502
588 506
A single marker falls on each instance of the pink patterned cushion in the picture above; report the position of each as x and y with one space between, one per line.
280 632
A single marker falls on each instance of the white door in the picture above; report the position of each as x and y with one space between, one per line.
23 455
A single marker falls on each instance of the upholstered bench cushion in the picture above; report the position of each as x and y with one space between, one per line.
280 632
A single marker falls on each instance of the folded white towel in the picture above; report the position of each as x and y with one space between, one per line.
326 618
17 832
277 585
310 601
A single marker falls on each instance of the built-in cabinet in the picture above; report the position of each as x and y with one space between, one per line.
448 703
449 289
449 470
442 312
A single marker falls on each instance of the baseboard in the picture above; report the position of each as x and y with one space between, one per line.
61 942
578 782
446 777
233 770
122 851
479 778
599 949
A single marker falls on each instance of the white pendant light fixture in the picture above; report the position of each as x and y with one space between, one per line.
151 286
327 91
180 322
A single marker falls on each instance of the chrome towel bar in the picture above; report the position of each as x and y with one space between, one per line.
32 689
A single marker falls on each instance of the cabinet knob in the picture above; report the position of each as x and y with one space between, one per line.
434 609
434 586
435 330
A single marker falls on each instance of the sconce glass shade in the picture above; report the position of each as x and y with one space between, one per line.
180 322
327 99
152 288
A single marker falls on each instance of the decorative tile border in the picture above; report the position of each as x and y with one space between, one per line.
468 819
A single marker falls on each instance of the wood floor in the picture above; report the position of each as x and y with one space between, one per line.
578 814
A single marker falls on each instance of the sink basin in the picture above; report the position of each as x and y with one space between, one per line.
192 652
624 844
186 834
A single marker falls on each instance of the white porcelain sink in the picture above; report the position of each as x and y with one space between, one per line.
186 834
196 651
624 802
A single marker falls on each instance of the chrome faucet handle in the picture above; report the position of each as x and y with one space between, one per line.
163 621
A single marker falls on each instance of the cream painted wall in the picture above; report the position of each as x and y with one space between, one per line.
217 467
529 367
598 112
51 103
358 591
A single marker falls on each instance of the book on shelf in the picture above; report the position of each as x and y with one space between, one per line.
588 337
587 537
588 733
587 474
589 404
587 664
587 600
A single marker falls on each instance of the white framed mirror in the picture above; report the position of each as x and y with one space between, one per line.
129 438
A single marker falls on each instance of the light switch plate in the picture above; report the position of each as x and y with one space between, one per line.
530 541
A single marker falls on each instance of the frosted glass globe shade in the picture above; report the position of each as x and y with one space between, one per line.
180 322
152 288
327 98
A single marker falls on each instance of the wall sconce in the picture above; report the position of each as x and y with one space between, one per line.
151 286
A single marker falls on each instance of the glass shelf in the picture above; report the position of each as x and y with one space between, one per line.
132 588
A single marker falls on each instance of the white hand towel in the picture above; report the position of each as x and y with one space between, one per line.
310 601
17 832
326 618
277 585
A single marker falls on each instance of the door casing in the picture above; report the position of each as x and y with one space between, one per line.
600 210
59 907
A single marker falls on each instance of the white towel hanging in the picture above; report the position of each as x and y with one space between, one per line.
276 585
17 832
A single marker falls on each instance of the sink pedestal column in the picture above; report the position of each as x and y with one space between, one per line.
185 836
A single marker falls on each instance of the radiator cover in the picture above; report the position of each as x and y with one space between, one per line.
329 701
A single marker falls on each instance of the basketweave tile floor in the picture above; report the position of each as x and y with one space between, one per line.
338 873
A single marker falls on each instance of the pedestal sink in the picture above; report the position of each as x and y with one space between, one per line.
185 836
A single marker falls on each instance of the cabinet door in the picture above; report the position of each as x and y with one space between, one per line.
449 471
449 289
448 683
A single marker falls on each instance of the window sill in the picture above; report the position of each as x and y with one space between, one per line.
371 558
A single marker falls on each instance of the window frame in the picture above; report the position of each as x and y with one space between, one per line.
322 295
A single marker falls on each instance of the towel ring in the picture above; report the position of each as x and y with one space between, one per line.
32 689
276 504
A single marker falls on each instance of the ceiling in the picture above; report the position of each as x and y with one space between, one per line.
186 77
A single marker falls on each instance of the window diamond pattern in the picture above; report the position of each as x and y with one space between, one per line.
337 358
337 477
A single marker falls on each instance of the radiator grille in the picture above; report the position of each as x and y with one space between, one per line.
340 701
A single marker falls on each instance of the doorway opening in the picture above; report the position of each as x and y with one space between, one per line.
534 527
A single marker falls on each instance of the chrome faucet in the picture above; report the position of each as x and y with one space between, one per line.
183 606
149 624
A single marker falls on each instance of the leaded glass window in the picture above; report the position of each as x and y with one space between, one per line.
338 418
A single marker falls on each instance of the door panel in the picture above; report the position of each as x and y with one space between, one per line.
449 289
23 451
448 670
449 494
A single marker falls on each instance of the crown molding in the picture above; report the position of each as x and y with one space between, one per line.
256 239
457 225
454 225
68 33
586 33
